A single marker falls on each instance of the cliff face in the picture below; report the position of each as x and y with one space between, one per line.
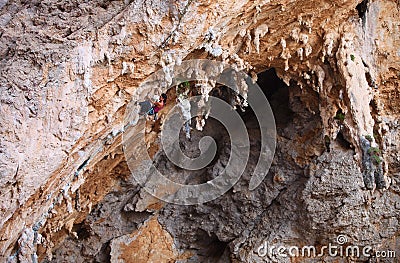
69 69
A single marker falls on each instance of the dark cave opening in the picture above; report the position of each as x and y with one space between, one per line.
82 230
210 247
277 93
270 83
341 140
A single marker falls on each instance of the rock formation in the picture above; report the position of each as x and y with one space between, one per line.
330 70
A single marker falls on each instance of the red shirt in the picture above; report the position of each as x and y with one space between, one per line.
158 106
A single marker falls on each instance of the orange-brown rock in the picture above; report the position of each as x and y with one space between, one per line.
69 68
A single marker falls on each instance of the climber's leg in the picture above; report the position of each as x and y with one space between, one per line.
145 107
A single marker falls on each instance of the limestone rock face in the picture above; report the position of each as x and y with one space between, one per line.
69 69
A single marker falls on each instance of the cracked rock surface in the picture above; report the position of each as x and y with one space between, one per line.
68 69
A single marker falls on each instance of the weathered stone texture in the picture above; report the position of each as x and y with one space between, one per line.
69 68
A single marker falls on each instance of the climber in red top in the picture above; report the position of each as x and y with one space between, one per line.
157 105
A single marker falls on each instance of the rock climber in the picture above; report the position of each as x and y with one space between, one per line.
157 105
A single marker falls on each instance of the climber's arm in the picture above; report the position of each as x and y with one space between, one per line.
156 103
